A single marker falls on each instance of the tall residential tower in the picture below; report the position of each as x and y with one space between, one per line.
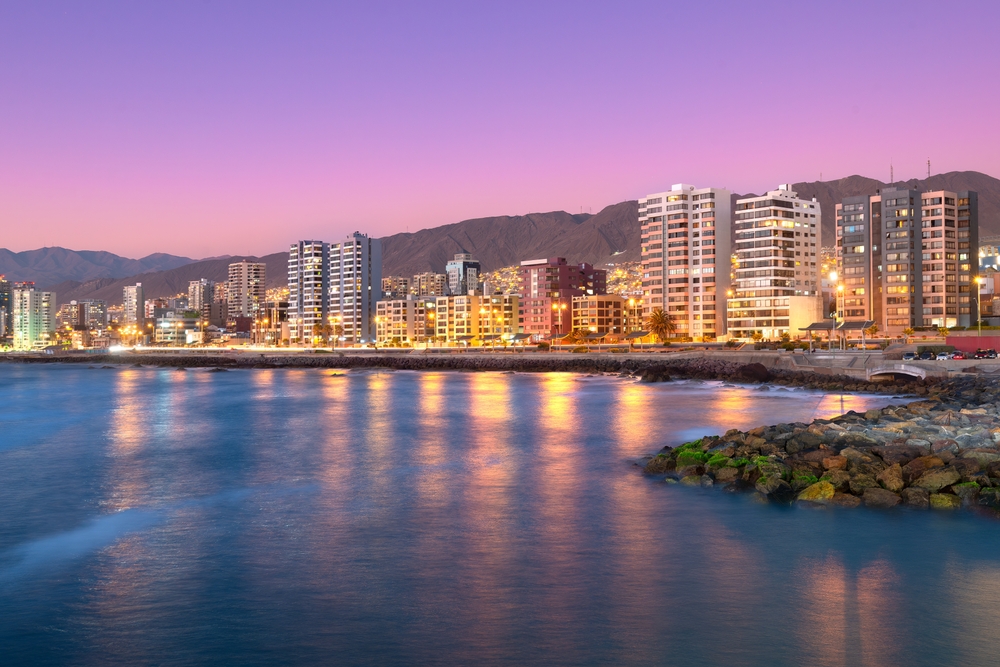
685 257
355 286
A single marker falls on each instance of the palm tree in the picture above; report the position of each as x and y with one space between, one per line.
660 324
322 331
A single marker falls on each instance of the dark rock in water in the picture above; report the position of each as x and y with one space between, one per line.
707 481
218 370
990 497
726 474
968 492
937 479
657 373
753 372
859 483
945 501
659 464
844 500
775 488
915 497
107 367
875 497
180 368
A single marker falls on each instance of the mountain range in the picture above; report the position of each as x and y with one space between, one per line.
610 236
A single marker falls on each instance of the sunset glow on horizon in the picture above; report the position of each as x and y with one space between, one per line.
209 128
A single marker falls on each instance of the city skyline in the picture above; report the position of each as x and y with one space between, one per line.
216 128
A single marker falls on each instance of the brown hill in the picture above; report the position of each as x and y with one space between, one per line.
609 236
169 283
48 266
504 240
829 193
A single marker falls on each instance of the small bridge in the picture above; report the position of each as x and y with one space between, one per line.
900 368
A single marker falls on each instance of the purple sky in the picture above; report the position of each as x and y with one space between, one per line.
210 128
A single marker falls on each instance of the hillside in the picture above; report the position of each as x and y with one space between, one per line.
829 193
611 235
504 240
49 266
168 283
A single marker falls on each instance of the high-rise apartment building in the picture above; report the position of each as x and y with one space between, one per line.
308 289
201 293
133 305
463 274
355 286
429 284
5 307
777 288
34 317
907 258
547 287
395 287
246 288
686 250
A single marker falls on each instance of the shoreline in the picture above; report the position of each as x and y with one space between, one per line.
647 369
942 452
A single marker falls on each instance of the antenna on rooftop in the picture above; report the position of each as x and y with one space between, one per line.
928 167
892 177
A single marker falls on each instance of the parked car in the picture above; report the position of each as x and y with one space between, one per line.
958 355
909 356
991 354
943 356
982 354
927 356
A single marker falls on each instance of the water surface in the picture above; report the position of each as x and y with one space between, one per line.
156 516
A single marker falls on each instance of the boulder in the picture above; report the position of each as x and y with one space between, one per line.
659 464
968 492
944 445
876 497
727 474
919 466
840 479
691 480
707 481
727 449
983 456
820 492
859 483
753 372
655 373
891 478
844 500
775 488
937 479
945 501
835 462
966 467
915 497
990 497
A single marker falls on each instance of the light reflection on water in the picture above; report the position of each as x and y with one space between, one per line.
277 517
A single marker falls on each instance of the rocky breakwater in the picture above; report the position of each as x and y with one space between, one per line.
941 453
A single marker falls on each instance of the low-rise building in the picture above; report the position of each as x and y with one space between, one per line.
406 321
599 314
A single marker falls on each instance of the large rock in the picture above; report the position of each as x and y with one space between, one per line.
966 467
945 501
820 492
655 373
875 497
840 479
859 483
835 462
727 474
982 456
775 488
937 479
691 480
753 372
891 478
844 500
968 492
919 466
915 497
660 463
990 497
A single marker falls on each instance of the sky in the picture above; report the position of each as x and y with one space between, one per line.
213 128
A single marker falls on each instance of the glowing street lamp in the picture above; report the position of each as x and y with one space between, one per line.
979 303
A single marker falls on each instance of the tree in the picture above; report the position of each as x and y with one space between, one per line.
661 325
943 331
757 336
786 337
322 331
872 330
907 332
338 331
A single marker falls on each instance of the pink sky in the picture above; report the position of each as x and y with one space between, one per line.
213 128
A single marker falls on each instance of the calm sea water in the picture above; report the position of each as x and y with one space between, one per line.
154 516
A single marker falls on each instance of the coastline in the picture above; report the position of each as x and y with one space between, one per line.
942 452
648 368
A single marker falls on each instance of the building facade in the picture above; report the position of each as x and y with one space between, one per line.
547 287
463 274
907 259
355 286
308 289
5 308
406 321
429 284
395 287
777 288
201 293
602 314
245 287
686 248
133 305
34 317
